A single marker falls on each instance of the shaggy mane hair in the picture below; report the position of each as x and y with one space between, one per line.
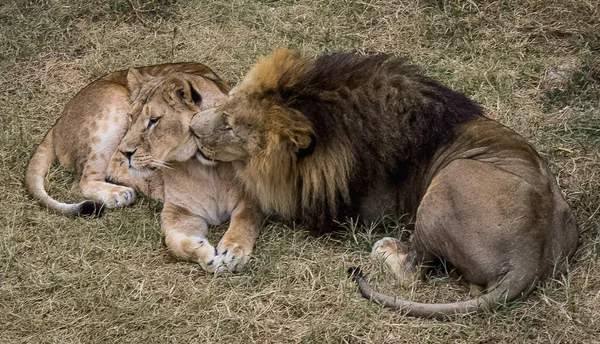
357 119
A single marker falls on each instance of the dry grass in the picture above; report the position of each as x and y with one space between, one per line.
534 64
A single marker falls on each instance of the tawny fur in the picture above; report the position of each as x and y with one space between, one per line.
322 140
160 160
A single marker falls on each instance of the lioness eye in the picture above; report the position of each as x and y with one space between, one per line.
152 122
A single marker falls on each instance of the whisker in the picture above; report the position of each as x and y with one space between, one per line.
161 164
148 160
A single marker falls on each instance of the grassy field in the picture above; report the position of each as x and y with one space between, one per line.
533 64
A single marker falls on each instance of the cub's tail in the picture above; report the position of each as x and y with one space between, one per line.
510 288
37 169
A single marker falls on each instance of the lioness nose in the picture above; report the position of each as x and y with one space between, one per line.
128 154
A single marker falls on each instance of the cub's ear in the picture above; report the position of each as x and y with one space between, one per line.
135 80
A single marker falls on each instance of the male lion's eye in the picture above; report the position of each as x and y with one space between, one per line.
151 123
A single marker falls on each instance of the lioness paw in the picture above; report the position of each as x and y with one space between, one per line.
116 196
207 257
233 256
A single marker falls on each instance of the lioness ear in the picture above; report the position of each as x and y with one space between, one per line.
135 79
188 94
195 94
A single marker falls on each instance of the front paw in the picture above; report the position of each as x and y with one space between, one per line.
208 258
115 196
233 255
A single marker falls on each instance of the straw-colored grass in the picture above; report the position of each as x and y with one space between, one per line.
533 64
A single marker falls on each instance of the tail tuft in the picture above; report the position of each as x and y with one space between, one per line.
355 274
91 209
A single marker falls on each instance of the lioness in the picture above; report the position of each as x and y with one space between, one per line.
197 192
345 135
91 127
156 103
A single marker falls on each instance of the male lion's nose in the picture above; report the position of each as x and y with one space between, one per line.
201 124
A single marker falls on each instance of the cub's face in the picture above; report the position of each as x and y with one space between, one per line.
161 114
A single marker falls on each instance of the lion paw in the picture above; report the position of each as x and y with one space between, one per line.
393 253
233 256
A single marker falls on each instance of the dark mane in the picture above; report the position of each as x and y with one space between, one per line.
379 98
374 118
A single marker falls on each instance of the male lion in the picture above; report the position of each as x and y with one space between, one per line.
91 127
344 135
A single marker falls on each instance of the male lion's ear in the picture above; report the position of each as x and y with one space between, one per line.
302 142
297 129
302 138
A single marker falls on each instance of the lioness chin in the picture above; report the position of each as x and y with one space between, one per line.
343 135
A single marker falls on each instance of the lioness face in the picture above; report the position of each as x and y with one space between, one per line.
160 131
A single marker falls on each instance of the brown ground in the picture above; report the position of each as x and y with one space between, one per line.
534 64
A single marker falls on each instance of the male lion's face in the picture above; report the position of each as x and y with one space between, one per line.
250 124
161 114
228 132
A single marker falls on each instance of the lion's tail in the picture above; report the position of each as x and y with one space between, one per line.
37 169
510 288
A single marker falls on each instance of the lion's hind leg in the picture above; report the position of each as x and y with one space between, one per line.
107 131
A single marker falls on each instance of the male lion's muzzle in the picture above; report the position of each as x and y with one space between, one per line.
205 123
